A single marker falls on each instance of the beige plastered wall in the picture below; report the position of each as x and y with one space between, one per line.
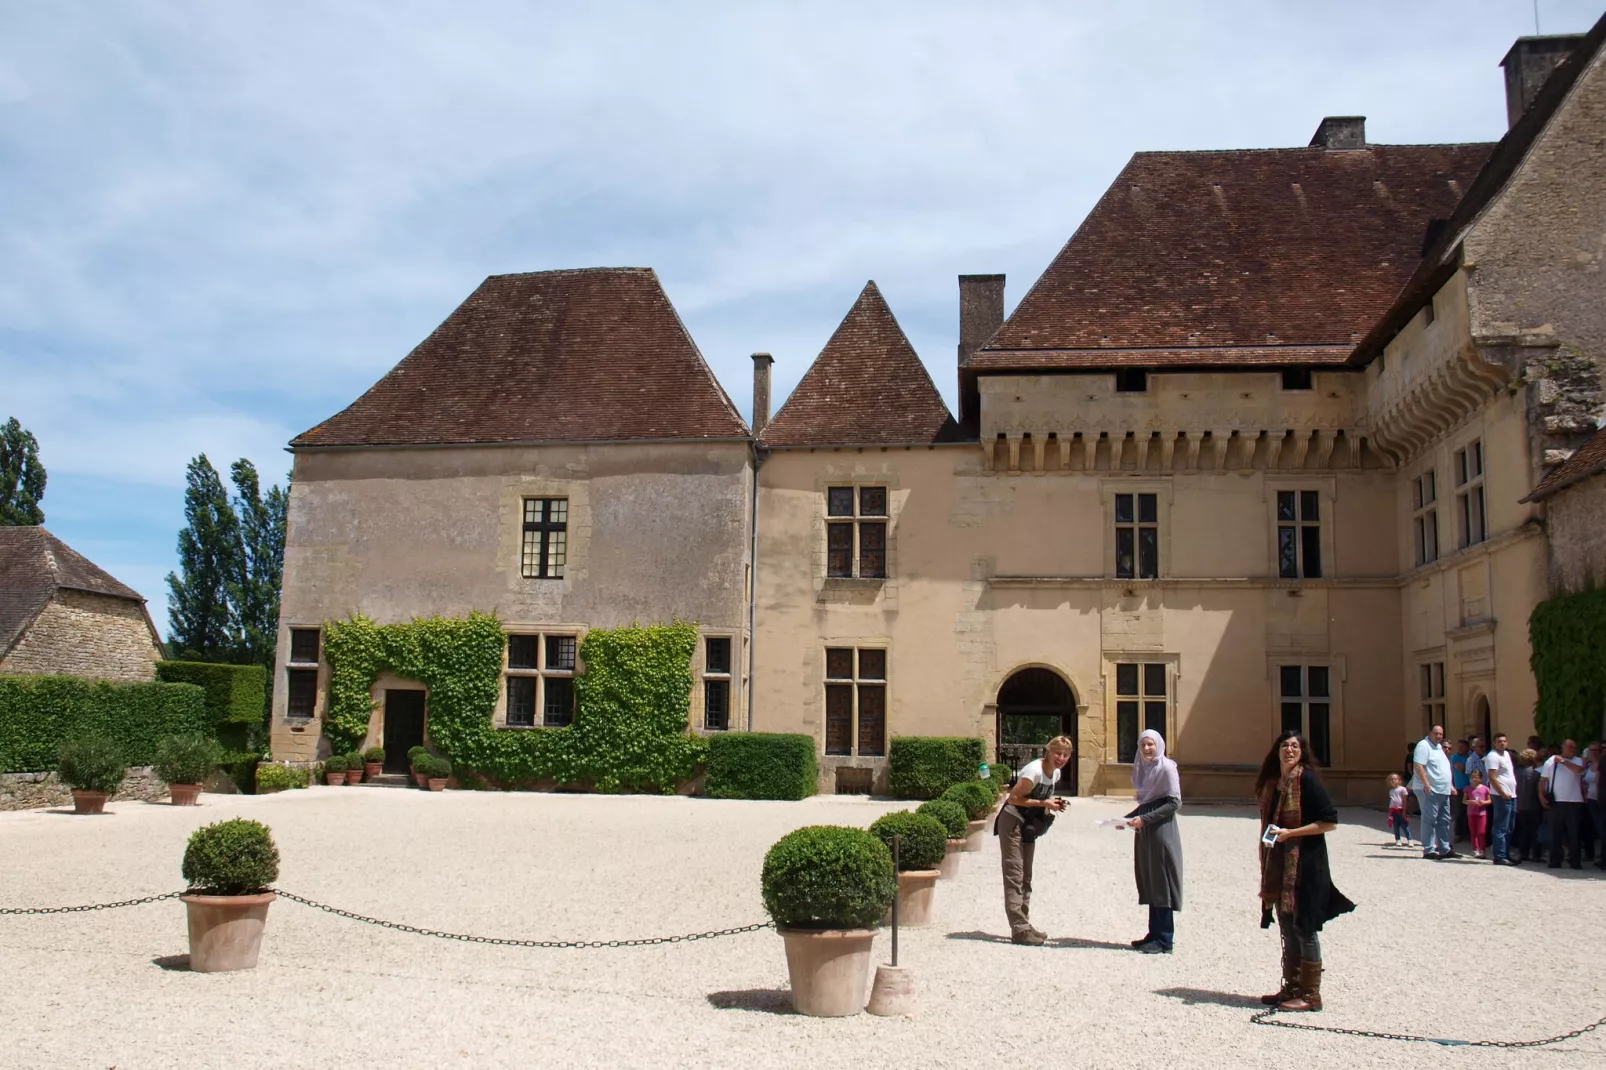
657 531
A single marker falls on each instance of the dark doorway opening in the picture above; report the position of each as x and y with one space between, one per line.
404 726
1034 706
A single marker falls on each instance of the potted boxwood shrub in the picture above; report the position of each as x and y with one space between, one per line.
93 767
413 755
373 762
334 770
354 767
951 816
184 763
922 844
230 867
437 771
826 889
977 799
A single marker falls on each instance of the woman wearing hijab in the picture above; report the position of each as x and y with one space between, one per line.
1157 852
1295 882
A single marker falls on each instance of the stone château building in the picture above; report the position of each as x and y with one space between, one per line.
1265 446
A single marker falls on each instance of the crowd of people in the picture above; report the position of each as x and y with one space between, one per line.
1537 804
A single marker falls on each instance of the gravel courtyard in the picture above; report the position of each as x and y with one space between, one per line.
109 989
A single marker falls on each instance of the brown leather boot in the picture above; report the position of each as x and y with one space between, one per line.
1290 988
1310 985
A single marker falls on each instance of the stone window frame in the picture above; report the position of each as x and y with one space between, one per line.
857 683
1113 699
548 529
540 673
1337 666
731 678
1162 489
1425 515
855 521
1326 488
1468 468
1295 524
294 668
1431 691
856 475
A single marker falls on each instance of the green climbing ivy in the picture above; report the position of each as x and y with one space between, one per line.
632 701
1567 636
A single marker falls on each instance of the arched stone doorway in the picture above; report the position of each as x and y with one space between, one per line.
1483 719
1034 706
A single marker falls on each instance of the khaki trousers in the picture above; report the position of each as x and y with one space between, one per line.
1017 860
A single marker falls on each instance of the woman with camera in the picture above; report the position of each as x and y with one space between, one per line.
1026 815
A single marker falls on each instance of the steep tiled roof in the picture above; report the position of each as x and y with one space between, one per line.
588 355
867 387
1586 461
34 565
1224 254
1443 258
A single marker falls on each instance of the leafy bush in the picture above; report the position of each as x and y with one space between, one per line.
761 765
435 768
923 767
335 763
91 763
272 777
923 842
354 761
231 858
976 797
40 713
1001 776
824 877
374 754
187 759
949 814
413 754
1567 640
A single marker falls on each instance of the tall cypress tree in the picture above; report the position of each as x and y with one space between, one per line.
22 477
254 591
200 619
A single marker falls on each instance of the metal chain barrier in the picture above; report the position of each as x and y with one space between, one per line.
1265 1018
90 906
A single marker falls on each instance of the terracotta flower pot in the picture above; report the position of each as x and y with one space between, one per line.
334 780
353 776
437 783
372 769
420 779
916 889
975 835
226 930
88 802
950 861
830 970
184 794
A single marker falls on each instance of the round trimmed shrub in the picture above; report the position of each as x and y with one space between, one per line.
335 763
1001 776
91 763
231 858
354 760
923 842
374 754
434 768
186 759
974 796
949 814
827 877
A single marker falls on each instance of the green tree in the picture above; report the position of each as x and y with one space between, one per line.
22 477
254 591
201 621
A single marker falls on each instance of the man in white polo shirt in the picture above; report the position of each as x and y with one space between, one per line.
1501 772
1433 786
1562 794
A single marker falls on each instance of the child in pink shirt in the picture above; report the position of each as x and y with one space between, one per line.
1478 814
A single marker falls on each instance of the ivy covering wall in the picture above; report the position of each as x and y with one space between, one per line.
631 702
1567 637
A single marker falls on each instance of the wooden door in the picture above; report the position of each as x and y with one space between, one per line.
404 726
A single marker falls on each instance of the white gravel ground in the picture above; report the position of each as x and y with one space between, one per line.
1458 949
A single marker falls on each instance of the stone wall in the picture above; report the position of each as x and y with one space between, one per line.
93 635
32 791
1577 527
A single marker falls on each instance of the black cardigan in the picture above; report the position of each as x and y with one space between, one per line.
1316 900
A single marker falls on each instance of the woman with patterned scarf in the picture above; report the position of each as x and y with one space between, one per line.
1295 882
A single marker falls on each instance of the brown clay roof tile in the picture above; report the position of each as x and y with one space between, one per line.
867 387
1588 460
597 354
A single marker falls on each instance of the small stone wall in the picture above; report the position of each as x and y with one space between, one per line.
33 791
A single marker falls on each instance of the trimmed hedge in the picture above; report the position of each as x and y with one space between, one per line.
761 765
39 713
827 877
1567 639
923 767
949 814
975 796
1002 778
235 694
922 844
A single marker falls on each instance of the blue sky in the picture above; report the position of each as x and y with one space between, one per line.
220 223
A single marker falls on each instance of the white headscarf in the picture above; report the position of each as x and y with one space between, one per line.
1156 779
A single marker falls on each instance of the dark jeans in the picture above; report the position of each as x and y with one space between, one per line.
1525 841
1309 944
1500 827
1399 825
1566 819
1162 925
1458 811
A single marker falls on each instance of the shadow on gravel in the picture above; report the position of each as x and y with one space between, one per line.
1193 997
764 1000
172 962
986 938
1058 941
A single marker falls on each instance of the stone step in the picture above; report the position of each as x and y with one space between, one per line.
388 780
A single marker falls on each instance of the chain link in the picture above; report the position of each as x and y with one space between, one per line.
1265 1018
500 941
90 906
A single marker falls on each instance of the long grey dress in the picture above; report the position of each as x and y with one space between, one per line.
1157 854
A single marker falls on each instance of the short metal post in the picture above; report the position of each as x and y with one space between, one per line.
896 841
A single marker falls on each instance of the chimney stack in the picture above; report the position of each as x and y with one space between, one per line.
761 392
1528 64
981 311
1340 132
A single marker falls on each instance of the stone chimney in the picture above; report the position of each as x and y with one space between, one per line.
761 392
981 311
1528 64
1341 132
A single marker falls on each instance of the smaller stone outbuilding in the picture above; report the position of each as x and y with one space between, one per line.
61 614
1574 495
